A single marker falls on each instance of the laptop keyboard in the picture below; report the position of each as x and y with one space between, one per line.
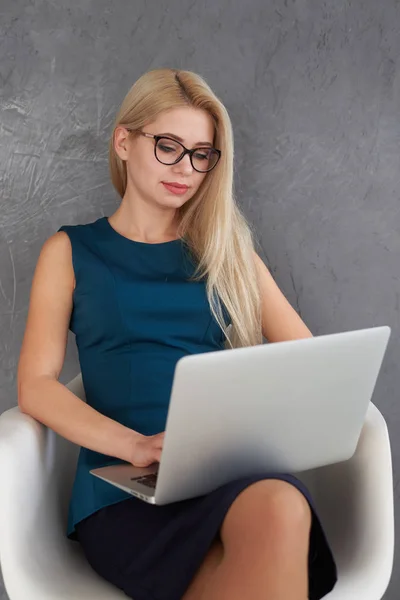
148 480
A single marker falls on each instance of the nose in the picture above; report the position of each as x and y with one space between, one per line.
184 165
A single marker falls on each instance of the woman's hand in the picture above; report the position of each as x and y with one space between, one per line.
147 449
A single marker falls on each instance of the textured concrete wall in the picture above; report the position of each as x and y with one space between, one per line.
313 90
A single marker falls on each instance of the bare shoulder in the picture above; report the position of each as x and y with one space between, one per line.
59 241
56 258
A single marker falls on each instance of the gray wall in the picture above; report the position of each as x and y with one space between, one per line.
313 90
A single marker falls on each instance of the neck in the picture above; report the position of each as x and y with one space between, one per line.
143 224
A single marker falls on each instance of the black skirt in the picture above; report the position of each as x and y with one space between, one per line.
153 552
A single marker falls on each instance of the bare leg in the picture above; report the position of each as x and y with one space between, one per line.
264 551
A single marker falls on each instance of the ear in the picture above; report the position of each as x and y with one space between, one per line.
121 142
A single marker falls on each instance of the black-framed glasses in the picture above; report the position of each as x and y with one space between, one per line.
169 151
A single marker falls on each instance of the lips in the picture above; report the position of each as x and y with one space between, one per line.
174 189
175 184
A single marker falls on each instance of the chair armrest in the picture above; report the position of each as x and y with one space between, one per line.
23 464
355 502
36 472
37 469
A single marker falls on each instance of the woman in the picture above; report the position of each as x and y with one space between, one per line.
161 278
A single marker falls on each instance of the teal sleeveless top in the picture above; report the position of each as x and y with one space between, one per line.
134 315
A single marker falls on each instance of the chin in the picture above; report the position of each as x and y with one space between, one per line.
176 201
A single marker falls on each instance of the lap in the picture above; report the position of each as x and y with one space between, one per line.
153 552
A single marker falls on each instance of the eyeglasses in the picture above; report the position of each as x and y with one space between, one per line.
168 152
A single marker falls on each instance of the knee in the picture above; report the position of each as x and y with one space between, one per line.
286 506
267 510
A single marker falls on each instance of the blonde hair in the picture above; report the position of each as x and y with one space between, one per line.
211 223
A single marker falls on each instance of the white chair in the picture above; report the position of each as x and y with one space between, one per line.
354 500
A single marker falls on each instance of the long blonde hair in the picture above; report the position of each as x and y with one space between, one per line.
211 223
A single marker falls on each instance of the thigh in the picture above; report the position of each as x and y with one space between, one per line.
153 551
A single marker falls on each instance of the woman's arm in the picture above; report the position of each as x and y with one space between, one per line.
42 355
280 321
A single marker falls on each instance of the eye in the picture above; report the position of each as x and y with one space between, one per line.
202 155
166 148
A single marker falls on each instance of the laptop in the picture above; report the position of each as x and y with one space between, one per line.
276 407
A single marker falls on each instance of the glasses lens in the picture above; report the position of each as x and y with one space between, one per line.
205 159
168 152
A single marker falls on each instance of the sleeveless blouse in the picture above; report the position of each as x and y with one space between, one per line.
134 315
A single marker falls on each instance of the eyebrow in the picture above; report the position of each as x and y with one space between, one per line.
181 139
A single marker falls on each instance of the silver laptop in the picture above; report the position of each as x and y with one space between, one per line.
276 407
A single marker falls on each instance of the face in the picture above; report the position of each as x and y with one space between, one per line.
146 174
